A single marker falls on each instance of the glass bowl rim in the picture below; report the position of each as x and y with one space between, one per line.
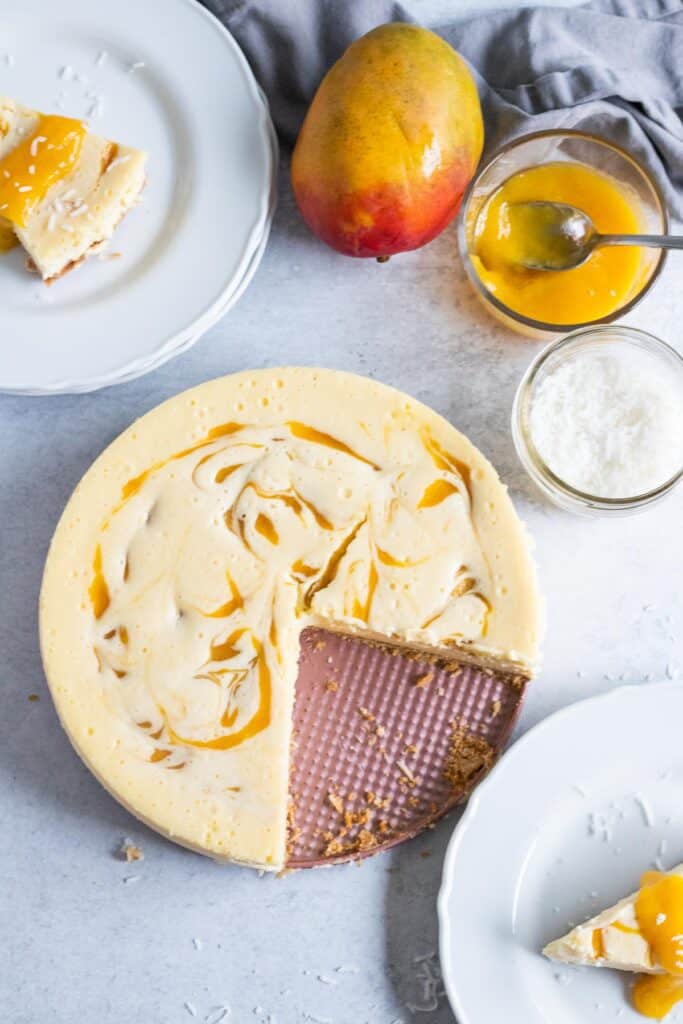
528 454
542 325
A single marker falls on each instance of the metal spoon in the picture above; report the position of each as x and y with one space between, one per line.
556 236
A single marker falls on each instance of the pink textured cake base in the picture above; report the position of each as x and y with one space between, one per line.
385 743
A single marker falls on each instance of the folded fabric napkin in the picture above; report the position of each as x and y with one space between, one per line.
611 67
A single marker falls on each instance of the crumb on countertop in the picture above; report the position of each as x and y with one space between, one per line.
130 852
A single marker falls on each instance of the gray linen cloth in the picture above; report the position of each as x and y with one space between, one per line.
611 67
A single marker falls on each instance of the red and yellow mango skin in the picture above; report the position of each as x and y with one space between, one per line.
389 144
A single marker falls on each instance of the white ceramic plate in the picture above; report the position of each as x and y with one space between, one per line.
188 249
232 296
527 860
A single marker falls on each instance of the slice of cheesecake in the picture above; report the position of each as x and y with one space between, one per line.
642 933
63 190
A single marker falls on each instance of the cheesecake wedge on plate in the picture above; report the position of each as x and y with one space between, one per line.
63 190
641 933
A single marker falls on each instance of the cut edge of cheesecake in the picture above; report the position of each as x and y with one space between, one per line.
459 652
598 943
107 184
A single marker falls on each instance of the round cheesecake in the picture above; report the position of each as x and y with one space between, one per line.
212 532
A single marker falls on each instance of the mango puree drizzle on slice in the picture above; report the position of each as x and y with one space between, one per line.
659 911
40 160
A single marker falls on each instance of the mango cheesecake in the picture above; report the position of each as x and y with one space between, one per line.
63 190
642 933
212 533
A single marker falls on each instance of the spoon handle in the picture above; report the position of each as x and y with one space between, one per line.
655 241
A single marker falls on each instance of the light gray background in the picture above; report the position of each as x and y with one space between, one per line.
79 943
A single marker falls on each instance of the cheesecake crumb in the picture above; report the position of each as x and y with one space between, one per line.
496 708
130 852
366 840
382 803
333 848
293 830
468 755
353 818
424 680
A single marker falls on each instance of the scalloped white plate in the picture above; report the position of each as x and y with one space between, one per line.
527 860
192 246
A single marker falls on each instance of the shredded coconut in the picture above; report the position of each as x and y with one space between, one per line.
217 1015
428 979
646 811
609 424
118 160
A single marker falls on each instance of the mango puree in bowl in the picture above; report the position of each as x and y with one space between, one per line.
572 168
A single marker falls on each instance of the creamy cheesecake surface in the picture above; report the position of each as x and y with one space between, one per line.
63 190
610 939
211 533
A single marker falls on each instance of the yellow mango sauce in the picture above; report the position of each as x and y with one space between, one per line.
7 237
659 911
608 279
40 160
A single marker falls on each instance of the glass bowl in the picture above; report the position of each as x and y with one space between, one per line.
626 340
574 147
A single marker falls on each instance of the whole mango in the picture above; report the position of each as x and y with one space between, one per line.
389 143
